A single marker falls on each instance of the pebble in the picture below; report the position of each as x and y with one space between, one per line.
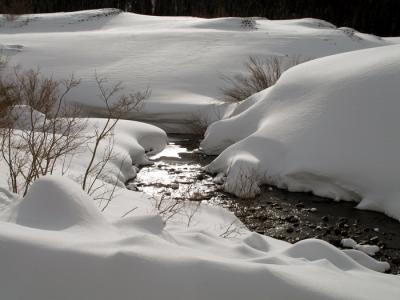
289 230
201 177
325 218
374 239
293 219
263 218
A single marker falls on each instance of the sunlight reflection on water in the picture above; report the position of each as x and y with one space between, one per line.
170 151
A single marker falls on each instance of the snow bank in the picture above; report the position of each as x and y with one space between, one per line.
58 246
131 143
180 58
329 126
367 249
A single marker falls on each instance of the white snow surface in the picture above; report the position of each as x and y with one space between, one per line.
367 249
329 126
181 59
55 244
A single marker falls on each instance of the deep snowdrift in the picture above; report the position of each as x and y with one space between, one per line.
55 244
329 126
180 58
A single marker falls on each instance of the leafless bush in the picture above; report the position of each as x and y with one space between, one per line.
261 73
40 131
167 207
117 106
248 23
4 88
3 60
246 183
232 229
34 137
199 124
14 9
186 205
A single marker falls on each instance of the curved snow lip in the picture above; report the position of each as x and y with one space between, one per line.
328 126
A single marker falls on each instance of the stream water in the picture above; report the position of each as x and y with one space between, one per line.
177 173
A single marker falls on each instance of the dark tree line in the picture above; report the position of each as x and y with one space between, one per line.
381 17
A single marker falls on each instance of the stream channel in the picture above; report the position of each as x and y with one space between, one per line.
177 173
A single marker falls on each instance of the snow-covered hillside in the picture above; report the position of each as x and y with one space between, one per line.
180 58
329 126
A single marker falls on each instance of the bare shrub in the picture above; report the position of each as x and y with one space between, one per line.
186 205
4 89
168 207
39 131
117 106
248 23
232 230
200 122
34 137
261 73
14 9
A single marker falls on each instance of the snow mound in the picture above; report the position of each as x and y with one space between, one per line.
138 257
57 203
60 22
234 24
329 126
351 33
367 261
312 23
367 249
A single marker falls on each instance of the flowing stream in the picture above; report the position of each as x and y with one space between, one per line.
177 173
